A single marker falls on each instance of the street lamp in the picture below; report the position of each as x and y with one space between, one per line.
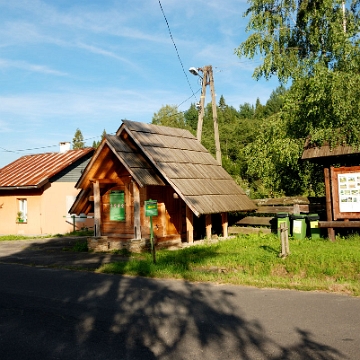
194 71
207 79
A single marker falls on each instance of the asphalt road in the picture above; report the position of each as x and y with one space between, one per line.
49 313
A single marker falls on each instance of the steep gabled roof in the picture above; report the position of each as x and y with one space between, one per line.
33 171
160 155
188 167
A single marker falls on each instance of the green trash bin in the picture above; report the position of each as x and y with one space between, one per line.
313 222
282 217
298 226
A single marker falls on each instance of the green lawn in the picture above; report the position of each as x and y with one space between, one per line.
23 237
253 260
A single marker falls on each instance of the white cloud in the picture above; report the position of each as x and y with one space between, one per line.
92 105
23 65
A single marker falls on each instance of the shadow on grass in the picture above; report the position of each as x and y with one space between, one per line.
270 249
173 262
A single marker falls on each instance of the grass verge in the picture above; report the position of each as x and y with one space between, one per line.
253 260
23 237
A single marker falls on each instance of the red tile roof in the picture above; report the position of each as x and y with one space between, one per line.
35 170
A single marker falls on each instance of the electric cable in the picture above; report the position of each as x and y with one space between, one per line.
176 49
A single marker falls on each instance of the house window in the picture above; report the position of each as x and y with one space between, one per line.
22 215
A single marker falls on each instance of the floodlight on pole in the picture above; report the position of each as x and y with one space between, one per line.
195 71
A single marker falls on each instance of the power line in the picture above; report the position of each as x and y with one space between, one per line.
176 49
187 99
44 147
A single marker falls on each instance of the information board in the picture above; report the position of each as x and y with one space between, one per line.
349 192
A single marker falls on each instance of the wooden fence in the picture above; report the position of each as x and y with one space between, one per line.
264 218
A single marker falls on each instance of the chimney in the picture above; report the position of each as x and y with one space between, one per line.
64 146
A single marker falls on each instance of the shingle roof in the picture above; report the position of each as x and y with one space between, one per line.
139 168
189 168
160 155
326 151
35 170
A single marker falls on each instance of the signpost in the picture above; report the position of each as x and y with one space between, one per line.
151 210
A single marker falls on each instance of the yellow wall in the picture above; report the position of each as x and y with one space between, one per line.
46 213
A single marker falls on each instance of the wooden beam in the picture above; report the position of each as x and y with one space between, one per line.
208 225
334 194
97 208
339 224
224 223
256 221
248 230
127 203
189 225
279 208
329 210
137 218
108 181
88 209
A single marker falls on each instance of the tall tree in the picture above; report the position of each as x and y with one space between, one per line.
315 44
246 111
169 116
295 36
275 102
78 140
259 110
97 143
191 118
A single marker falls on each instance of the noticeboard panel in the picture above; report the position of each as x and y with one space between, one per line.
151 208
346 192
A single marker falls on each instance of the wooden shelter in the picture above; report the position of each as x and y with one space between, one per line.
342 184
169 165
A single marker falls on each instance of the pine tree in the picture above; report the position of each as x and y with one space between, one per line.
97 143
78 140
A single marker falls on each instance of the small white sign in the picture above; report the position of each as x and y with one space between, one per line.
297 225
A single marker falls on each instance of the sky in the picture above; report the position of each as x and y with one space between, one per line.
88 64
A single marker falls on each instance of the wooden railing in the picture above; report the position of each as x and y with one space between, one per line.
264 218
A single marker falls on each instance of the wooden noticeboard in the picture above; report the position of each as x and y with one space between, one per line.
345 189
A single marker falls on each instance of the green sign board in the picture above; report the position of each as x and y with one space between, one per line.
117 205
151 208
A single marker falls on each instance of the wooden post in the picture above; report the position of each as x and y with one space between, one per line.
215 120
224 223
127 204
189 226
284 236
137 219
202 105
296 210
208 225
97 208
331 231
208 79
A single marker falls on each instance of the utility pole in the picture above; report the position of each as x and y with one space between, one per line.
208 79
